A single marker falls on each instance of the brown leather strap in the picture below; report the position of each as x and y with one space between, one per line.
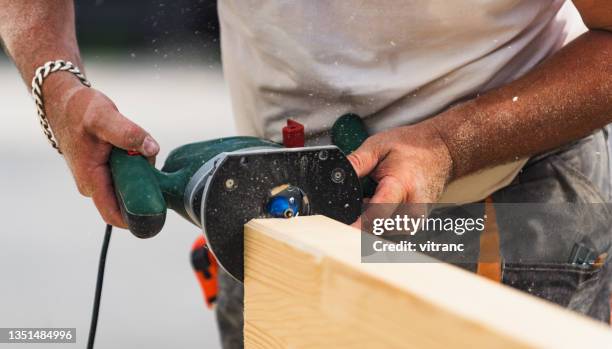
489 260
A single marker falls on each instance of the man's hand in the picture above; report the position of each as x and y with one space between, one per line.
87 124
411 164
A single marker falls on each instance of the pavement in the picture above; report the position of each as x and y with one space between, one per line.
50 236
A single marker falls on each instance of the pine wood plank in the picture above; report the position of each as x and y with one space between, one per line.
305 287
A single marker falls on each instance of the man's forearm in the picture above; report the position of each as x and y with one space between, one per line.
36 31
565 98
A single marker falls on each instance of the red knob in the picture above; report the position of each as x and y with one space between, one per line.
293 134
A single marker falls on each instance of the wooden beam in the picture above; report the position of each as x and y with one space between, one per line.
305 287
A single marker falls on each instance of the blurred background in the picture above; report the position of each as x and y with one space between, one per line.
159 62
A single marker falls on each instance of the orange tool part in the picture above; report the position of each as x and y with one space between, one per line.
489 261
206 269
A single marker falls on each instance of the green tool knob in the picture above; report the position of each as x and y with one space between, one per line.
348 133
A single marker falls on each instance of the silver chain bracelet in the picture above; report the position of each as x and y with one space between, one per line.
39 76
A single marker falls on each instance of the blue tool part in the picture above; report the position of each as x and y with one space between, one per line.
283 207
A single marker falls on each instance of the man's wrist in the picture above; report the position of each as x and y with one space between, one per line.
457 133
56 84
57 89
438 132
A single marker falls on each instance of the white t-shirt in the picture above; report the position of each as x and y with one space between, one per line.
393 62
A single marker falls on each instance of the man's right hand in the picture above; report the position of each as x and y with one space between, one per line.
87 125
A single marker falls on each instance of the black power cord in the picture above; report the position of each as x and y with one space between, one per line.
99 281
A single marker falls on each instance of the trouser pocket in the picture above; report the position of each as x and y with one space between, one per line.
584 289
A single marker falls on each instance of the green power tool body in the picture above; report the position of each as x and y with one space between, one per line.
221 184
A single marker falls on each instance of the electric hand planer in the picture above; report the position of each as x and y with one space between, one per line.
221 184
